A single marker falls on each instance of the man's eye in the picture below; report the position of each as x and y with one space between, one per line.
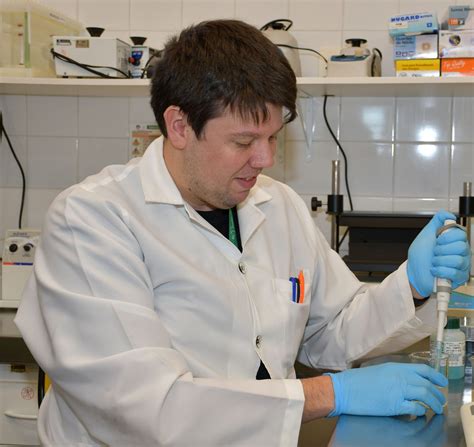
243 143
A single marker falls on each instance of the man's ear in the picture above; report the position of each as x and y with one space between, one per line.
177 127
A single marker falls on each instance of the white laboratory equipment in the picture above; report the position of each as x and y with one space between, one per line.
277 32
17 264
18 404
355 59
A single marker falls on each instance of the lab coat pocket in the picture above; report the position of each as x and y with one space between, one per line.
294 318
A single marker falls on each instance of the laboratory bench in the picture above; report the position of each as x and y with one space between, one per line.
431 430
344 431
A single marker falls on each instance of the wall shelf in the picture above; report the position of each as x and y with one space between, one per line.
387 86
74 87
369 87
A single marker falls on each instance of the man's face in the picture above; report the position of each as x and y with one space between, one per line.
222 166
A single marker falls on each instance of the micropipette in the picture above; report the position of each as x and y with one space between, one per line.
443 294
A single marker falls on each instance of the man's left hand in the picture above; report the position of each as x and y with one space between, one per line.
447 256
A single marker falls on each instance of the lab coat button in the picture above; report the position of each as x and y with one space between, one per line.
242 268
258 341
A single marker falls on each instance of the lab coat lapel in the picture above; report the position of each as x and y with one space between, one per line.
157 184
250 215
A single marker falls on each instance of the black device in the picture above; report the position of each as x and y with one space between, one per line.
379 241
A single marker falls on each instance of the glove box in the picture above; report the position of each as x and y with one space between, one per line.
18 404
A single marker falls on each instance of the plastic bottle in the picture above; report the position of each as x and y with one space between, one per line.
468 329
455 346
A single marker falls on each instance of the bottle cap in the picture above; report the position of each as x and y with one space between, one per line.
453 323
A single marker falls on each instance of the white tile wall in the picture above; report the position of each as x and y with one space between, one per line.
108 14
422 170
364 119
463 119
260 12
10 174
10 200
424 119
368 14
437 6
103 117
310 176
14 114
371 169
312 113
52 162
95 153
54 116
404 154
156 15
316 14
195 11
462 168
140 111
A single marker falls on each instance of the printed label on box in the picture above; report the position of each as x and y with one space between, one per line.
424 46
417 68
457 67
456 44
416 23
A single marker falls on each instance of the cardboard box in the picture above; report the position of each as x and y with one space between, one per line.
417 68
422 46
459 17
411 24
457 67
456 44
462 301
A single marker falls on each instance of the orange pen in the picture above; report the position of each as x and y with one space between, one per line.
301 280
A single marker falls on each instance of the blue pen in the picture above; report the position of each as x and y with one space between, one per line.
293 289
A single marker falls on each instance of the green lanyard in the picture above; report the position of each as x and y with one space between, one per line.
232 230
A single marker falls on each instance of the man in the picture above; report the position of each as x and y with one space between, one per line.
164 288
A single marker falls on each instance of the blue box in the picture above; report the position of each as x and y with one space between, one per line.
459 17
412 24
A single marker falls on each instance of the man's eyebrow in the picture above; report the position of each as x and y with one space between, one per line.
244 134
252 134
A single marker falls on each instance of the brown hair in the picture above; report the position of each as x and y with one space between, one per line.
222 64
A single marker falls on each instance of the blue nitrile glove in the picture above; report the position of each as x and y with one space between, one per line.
388 389
447 256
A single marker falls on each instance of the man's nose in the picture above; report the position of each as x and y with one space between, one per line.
264 155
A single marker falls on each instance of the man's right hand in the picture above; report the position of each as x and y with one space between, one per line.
388 389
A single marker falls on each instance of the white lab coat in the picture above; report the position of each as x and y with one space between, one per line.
146 318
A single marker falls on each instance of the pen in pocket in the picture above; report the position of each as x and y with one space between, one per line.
297 288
